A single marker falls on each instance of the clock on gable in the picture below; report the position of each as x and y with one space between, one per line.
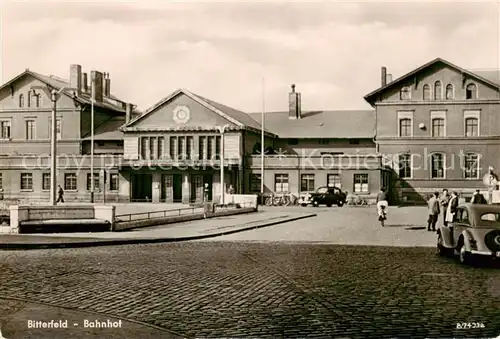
181 114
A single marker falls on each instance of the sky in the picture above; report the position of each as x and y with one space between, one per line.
246 54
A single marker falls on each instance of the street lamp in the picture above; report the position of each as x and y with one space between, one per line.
222 192
54 96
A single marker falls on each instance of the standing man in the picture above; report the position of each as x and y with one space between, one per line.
60 194
452 207
478 198
434 211
382 201
444 201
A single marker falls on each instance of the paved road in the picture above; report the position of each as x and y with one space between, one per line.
229 289
346 226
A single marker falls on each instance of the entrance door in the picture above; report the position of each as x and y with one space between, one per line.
142 189
208 179
177 187
197 191
167 189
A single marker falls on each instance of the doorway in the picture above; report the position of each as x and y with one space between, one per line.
197 188
177 187
142 187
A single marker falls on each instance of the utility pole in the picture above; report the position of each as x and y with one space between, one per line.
92 138
262 148
222 191
53 149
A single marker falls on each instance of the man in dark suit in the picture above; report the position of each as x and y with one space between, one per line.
434 211
478 198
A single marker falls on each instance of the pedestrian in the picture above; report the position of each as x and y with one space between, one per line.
381 201
230 189
434 211
60 194
478 198
444 201
452 207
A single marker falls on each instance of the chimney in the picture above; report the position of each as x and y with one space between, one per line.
85 83
384 76
107 84
128 113
97 82
389 78
294 104
75 78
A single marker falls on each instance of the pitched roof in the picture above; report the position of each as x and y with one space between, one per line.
57 83
492 75
108 130
370 97
321 124
238 118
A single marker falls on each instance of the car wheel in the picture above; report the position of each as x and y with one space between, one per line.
441 250
315 204
464 256
340 203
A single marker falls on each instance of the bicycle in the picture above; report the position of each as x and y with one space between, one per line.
281 199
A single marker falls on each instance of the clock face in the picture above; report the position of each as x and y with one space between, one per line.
181 114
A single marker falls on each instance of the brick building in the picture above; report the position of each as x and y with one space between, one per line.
438 126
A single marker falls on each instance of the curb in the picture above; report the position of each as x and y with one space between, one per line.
93 242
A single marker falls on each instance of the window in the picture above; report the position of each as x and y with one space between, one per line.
1 182
46 181
405 93
427 92
153 148
449 91
307 183
405 127
21 100
360 183
293 141
114 182
145 148
471 127
210 147
333 180
218 148
5 129
405 165
70 182
96 182
190 147
471 166
58 129
202 143
255 183
324 141
353 141
438 91
438 127
471 91
437 166
173 148
30 129
26 181
38 100
161 147
281 183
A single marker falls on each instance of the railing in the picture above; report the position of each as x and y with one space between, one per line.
157 214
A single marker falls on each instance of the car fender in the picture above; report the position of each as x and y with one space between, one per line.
466 236
445 235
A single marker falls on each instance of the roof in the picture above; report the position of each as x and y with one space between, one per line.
485 76
492 75
321 124
108 130
238 118
57 83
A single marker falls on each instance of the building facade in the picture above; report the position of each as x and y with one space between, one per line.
438 127
25 129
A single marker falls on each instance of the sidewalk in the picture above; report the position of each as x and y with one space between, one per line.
192 230
17 318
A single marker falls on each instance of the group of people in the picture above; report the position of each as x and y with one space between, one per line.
447 204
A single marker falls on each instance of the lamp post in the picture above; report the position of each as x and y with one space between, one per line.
222 192
54 96
92 96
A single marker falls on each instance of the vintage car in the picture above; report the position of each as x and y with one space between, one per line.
324 196
474 233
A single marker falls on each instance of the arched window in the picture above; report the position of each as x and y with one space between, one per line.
437 166
427 92
405 93
38 99
471 91
471 166
437 90
21 100
29 98
449 91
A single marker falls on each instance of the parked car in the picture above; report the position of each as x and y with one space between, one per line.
328 196
474 234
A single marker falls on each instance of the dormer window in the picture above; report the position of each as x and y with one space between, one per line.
437 91
21 100
405 93
449 91
427 92
471 92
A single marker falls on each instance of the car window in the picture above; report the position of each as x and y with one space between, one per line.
458 215
465 216
322 190
490 218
